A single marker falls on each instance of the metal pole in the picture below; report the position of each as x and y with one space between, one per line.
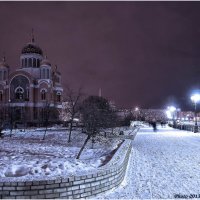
174 119
195 114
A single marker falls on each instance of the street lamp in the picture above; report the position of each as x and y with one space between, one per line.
136 111
195 99
171 113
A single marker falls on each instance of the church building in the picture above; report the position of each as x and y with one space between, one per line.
32 88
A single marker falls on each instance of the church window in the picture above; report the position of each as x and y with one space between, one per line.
43 73
1 95
58 97
18 88
1 75
30 62
35 114
26 62
34 62
22 62
38 62
4 75
19 93
27 93
47 73
43 95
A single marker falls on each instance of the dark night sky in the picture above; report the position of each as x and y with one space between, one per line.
139 53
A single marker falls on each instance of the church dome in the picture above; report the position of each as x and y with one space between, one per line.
3 63
45 61
31 48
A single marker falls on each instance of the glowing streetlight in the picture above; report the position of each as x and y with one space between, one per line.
171 113
172 109
136 110
195 99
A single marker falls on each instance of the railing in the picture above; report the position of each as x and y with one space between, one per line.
186 127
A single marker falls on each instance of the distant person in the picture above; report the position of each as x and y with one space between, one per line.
154 125
164 124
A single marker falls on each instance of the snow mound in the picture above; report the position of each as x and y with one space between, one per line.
17 171
32 158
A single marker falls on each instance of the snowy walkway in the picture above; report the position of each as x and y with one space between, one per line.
161 165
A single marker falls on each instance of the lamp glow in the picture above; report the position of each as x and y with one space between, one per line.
169 115
136 109
171 109
195 98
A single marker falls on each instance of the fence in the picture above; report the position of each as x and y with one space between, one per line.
186 127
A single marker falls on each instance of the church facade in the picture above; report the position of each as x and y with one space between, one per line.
32 88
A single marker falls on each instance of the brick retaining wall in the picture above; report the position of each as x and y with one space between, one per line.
107 177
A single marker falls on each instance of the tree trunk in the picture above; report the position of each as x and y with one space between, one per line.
93 143
70 131
79 154
11 128
24 126
45 133
1 134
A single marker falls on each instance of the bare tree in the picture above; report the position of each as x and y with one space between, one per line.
11 117
95 112
2 119
71 107
46 111
24 114
112 120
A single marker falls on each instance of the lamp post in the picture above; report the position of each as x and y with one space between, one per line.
195 99
136 111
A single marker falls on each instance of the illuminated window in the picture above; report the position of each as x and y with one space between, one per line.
19 93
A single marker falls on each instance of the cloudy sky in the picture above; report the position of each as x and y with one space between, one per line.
143 54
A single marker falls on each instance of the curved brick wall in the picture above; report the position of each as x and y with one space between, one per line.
107 177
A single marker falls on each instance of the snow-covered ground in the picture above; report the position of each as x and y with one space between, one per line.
25 156
162 164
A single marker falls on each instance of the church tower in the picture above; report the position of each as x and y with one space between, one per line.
34 85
